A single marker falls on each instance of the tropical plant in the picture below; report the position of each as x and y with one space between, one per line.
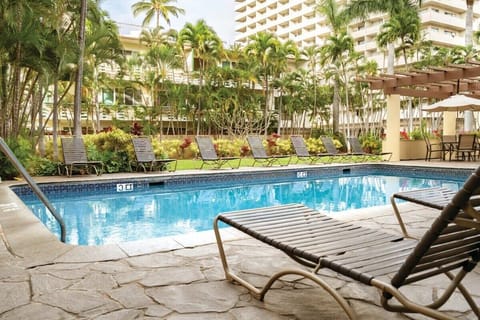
262 48
207 50
362 8
156 9
338 44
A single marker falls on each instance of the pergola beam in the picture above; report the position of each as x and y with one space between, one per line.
465 76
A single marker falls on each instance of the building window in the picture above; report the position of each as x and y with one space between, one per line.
450 33
107 96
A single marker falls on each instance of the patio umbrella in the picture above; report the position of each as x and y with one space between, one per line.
458 102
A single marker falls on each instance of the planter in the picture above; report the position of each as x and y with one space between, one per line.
413 149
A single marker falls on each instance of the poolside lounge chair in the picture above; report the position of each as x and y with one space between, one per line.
356 149
374 258
145 157
75 156
302 153
209 154
332 149
261 156
435 198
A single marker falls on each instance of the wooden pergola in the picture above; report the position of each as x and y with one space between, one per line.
433 83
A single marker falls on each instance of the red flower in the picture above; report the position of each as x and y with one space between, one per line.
271 142
244 149
186 143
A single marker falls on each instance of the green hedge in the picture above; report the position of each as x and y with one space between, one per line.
115 149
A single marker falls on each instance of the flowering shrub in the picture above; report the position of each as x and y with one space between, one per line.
228 147
137 129
272 146
244 150
404 135
415 134
186 143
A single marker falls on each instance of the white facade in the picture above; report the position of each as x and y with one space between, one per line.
443 22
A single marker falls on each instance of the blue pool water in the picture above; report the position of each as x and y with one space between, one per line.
130 213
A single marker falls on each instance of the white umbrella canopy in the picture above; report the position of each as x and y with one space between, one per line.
458 102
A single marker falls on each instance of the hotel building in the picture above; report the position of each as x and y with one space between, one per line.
443 23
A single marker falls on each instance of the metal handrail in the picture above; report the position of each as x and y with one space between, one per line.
8 152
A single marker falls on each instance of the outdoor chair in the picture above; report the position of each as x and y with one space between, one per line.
329 145
301 151
145 157
466 147
260 155
209 155
356 149
388 262
448 145
435 198
432 148
75 157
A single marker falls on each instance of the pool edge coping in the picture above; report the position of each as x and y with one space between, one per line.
31 239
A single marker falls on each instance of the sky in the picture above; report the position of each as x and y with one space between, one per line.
218 14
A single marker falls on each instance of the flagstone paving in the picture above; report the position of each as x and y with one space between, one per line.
188 283
181 278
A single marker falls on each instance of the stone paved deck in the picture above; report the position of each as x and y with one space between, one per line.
180 277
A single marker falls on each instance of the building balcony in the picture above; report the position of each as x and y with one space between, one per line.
442 19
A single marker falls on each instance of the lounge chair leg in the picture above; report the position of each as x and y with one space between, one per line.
399 218
260 294
406 304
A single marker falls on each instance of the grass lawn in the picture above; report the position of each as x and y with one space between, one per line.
194 164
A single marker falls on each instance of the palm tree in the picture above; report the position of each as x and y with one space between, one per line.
102 45
161 60
469 23
77 104
153 37
335 55
207 49
332 52
404 26
157 9
312 55
262 48
362 8
468 115
22 31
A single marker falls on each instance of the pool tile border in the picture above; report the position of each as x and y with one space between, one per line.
236 177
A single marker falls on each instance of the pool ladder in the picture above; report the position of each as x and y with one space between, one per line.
33 185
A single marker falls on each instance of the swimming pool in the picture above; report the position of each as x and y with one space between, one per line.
119 211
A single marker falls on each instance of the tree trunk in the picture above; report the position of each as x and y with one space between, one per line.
77 103
468 121
55 119
336 107
391 58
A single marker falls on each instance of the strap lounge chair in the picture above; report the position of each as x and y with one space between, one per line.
356 149
145 157
302 153
435 198
261 156
332 149
209 154
374 258
75 156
